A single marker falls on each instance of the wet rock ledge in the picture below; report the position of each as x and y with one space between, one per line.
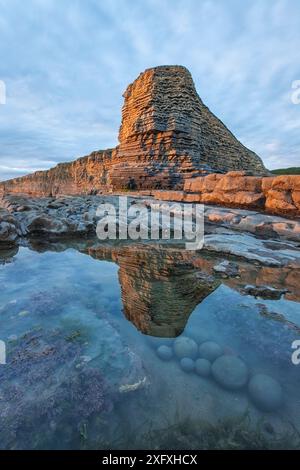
257 237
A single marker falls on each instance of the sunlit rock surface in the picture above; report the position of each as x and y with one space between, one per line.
275 195
167 134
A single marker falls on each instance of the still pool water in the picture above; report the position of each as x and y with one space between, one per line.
82 369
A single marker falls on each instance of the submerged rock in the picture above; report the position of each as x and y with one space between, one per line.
197 335
264 292
8 235
210 350
203 367
165 353
227 268
230 372
265 392
185 347
187 364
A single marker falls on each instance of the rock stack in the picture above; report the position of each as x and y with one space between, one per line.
167 135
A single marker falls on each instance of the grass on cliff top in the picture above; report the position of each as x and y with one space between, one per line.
294 170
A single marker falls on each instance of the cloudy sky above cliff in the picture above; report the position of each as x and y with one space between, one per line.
66 63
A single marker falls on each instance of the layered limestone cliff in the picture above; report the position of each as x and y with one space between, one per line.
86 175
167 135
275 195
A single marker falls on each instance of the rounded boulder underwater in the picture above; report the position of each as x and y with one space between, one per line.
185 347
265 392
164 353
202 367
230 372
187 364
210 351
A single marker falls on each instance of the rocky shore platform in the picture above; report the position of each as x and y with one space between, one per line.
255 236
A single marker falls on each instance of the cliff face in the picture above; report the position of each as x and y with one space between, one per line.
167 134
82 176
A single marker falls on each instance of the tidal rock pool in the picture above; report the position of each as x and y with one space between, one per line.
125 347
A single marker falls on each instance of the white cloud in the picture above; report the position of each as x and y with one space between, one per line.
69 63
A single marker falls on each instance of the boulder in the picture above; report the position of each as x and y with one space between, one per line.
227 268
286 183
202 367
245 199
230 372
280 201
264 292
233 182
296 199
187 364
265 392
210 350
8 235
47 224
165 353
185 347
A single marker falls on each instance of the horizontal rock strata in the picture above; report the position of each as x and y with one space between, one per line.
86 175
166 136
276 195
167 133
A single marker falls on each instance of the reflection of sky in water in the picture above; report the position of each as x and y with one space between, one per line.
73 302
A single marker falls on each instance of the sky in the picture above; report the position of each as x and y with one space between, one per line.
66 63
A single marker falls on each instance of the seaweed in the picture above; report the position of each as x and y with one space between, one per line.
42 393
227 434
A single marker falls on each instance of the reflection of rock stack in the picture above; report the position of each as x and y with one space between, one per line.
160 288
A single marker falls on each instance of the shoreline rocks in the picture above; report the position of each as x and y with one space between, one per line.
278 195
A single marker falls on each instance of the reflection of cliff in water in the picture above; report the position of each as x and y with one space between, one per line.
162 284
160 287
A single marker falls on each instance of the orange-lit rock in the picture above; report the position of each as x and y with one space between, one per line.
277 195
167 135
